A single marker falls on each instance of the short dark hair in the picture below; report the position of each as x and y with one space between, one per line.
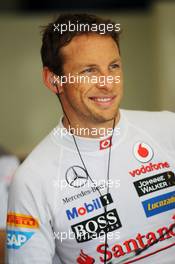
53 41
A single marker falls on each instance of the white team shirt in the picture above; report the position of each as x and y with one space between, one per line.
55 210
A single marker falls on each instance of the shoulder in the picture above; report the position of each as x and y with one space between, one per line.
159 125
40 165
150 119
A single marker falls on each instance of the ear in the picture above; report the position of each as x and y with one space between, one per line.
51 81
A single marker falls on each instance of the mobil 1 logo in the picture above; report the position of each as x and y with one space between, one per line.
96 226
87 208
106 199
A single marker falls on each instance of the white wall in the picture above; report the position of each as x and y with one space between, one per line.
165 53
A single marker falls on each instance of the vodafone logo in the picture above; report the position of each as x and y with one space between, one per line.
106 143
143 152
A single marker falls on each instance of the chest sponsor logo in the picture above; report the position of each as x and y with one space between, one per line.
83 258
155 183
82 194
126 251
89 207
149 168
159 204
76 176
20 220
106 199
16 239
143 152
83 210
96 226
106 143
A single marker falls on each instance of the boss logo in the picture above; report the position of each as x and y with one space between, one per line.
96 226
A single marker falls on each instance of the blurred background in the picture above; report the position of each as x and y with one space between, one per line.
28 111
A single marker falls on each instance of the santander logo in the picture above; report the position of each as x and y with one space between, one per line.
85 259
143 152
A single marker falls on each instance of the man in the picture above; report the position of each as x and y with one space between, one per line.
94 197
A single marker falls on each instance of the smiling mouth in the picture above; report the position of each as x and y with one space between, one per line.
102 100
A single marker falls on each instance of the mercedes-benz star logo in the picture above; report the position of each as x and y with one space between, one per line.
76 176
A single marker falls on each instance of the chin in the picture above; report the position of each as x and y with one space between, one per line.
101 118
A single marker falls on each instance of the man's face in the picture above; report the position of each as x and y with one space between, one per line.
92 55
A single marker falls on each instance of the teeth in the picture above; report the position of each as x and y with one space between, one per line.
102 99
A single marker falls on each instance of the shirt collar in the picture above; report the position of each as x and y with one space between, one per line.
85 144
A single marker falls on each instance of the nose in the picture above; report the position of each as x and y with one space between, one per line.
105 81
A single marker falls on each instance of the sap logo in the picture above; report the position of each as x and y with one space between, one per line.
96 226
16 239
86 208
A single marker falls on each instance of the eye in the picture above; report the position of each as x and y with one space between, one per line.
88 70
115 66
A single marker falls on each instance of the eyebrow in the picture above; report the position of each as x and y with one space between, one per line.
93 65
116 60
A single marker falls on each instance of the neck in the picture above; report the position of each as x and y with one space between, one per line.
88 129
